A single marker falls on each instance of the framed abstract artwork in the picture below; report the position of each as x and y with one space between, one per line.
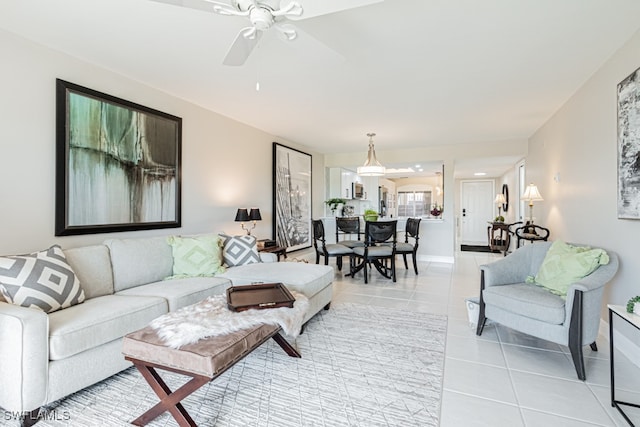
291 197
118 164
629 147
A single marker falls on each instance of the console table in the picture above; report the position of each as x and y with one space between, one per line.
499 236
634 320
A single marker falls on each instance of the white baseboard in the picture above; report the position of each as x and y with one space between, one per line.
623 344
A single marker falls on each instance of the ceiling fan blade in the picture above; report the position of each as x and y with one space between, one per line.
241 48
306 48
313 8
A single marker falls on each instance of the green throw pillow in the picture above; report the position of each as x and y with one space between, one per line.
196 256
565 264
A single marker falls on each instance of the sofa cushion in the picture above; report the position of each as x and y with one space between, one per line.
42 280
92 265
240 250
196 255
308 279
528 300
181 292
99 321
139 261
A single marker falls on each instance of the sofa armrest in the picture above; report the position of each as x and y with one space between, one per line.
268 257
24 357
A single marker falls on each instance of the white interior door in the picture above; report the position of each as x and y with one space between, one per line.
477 208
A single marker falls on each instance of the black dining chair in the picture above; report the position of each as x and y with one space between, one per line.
327 250
379 250
348 232
411 232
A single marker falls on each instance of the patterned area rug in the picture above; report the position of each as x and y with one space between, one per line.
361 366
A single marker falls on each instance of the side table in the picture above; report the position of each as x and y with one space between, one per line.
634 321
531 233
278 250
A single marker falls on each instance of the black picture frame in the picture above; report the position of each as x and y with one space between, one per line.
628 99
505 193
118 164
292 183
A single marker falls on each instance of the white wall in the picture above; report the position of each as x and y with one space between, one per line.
225 164
580 143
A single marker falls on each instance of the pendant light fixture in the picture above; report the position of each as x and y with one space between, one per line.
372 166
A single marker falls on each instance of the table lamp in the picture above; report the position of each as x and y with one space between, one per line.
243 215
500 200
531 194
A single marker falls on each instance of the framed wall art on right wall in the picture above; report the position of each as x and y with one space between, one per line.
629 147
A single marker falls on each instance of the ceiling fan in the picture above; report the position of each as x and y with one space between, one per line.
266 14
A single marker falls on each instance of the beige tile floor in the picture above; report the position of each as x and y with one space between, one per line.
502 378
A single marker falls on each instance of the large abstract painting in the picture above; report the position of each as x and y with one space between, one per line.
118 164
629 147
291 197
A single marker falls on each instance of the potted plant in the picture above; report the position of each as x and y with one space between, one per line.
370 215
334 203
436 210
633 306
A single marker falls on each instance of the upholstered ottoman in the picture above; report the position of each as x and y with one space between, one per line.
203 361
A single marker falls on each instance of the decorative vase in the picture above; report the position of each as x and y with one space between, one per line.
371 217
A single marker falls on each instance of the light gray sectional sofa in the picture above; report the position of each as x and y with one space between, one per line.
44 357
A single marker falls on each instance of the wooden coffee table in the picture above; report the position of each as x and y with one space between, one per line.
203 361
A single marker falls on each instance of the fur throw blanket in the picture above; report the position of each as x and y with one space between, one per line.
211 317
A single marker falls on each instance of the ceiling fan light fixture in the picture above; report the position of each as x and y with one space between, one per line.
372 166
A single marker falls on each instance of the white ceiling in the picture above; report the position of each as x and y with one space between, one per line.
416 72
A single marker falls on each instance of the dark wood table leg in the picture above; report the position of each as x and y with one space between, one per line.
284 344
169 401
382 269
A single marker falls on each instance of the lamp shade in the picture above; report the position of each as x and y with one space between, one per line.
242 215
532 194
372 166
500 200
254 214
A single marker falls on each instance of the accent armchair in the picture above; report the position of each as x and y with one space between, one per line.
507 298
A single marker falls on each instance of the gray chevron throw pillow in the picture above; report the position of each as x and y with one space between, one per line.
41 280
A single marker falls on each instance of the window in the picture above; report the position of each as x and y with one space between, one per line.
414 203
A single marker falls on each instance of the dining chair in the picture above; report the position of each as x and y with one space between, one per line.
379 245
346 229
411 231
327 250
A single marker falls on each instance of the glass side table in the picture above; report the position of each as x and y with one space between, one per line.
634 320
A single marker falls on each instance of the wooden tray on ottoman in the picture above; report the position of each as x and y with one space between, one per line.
264 295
